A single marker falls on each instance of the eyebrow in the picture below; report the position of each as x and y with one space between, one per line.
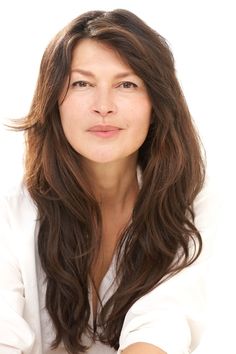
117 76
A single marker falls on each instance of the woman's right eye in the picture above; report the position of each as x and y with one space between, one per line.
80 83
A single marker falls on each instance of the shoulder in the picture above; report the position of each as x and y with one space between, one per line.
208 209
16 201
18 215
210 196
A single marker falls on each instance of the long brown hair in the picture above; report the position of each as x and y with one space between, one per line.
155 244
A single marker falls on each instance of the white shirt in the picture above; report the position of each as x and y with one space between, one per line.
171 316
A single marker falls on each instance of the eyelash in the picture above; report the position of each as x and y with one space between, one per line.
77 83
130 84
82 84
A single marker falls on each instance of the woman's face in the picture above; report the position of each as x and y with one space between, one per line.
106 112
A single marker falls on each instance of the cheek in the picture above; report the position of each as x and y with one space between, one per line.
143 119
68 123
140 131
144 124
64 120
71 115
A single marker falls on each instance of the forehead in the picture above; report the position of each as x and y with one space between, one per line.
90 52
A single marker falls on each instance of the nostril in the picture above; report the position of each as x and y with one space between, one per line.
103 112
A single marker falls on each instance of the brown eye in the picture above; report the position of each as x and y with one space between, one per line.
128 84
80 84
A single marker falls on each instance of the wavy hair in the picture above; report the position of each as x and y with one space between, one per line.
156 244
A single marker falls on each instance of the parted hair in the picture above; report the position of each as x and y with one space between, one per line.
156 243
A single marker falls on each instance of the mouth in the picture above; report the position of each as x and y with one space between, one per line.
104 130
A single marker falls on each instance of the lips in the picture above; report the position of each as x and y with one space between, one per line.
105 131
103 128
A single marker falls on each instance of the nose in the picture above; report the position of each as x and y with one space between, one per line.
104 103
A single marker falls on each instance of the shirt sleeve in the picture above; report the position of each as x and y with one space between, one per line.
16 337
172 316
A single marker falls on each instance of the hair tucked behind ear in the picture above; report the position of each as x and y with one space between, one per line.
157 242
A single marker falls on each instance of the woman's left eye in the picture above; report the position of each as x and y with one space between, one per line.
128 84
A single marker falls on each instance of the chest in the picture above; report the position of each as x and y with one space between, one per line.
112 231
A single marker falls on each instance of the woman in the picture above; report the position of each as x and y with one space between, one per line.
101 245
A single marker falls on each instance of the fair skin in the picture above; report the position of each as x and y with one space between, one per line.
105 116
143 348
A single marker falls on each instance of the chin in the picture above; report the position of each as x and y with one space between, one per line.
99 160
104 161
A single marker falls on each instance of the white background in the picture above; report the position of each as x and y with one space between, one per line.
202 37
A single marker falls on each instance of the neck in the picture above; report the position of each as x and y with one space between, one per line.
113 183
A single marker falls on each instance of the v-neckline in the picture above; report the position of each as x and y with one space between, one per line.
106 289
